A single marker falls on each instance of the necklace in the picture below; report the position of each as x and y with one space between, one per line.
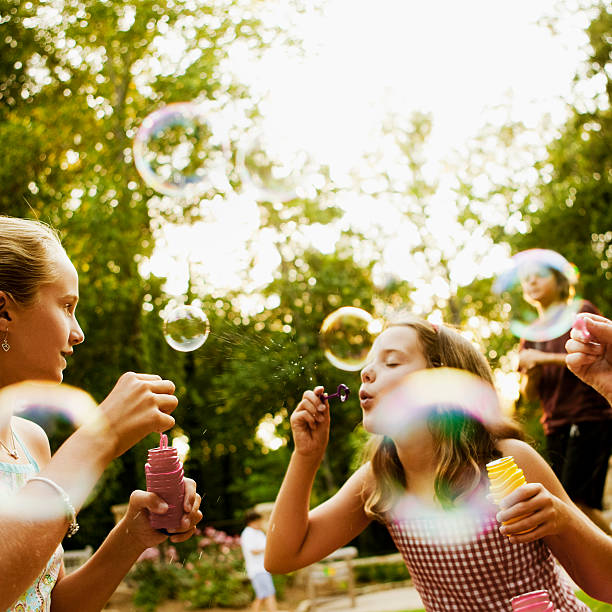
12 453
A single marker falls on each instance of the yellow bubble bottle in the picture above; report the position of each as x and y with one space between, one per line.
504 477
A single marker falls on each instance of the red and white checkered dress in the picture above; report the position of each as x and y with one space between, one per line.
460 561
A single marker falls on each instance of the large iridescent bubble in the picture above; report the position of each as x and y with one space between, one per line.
455 404
347 335
449 394
186 328
180 151
60 410
511 284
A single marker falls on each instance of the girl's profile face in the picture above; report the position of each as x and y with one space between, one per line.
395 353
44 333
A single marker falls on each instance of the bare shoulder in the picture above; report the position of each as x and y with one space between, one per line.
534 466
34 438
516 448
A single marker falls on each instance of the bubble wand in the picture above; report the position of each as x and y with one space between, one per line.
341 393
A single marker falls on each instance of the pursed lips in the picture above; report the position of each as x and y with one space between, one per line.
365 399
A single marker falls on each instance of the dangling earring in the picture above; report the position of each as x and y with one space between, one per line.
5 345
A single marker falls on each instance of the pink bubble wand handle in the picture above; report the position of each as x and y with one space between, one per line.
342 394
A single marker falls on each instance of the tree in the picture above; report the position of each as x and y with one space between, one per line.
77 78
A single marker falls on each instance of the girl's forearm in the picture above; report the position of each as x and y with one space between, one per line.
90 587
28 535
289 521
585 551
555 358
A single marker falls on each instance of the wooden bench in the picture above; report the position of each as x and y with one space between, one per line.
332 571
73 559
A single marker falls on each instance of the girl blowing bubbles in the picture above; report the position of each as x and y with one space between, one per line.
38 329
437 467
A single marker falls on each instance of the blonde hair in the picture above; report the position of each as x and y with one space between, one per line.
462 444
26 257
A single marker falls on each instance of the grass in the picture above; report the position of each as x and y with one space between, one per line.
596 606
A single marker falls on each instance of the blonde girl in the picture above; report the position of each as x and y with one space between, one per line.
38 331
415 474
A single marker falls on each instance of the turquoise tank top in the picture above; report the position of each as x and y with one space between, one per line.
38 597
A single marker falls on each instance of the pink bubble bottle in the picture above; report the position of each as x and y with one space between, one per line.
535 601
164 474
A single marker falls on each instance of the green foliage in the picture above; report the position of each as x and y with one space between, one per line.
594 605
574 191
384 572
206 572
156 582
215 573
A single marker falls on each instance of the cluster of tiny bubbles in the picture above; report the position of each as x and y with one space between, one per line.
59 410
185 327
180 151
448 395
268 175
511 284
347 335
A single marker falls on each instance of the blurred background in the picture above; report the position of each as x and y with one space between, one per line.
373 155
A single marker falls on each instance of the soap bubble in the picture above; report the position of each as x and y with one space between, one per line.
446 394
512 284
270 174
186 328
454 403
180 151
59 410
454 526
346 337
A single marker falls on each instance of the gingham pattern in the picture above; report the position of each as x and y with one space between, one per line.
462 562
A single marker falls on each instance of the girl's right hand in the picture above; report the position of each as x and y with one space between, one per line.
310 424
540 513
138 405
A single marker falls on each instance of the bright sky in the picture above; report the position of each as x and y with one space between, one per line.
361 62
453 60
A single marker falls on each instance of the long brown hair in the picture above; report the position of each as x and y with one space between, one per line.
463 445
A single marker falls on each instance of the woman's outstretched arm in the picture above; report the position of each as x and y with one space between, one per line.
583 549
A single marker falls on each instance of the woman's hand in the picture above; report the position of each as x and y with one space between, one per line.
543 513
310 424
138 405
136 520
591 358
